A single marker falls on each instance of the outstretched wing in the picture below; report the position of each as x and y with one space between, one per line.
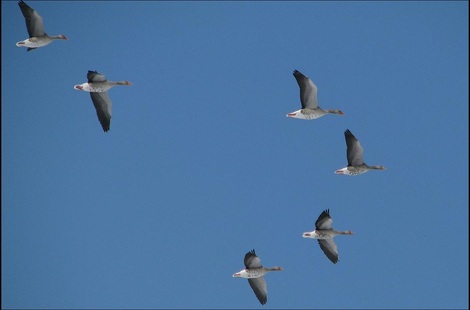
308 91
328 247
102 105
33 20
354 149
94 76
259 287
251 260
324 220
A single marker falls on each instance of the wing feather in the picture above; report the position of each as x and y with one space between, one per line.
94 76
103 106
308 91
330 249
354 149
251 260
34 22
258 285
324 220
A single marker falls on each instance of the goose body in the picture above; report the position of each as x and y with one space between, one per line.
308 99
255 272
35 26
354 153
97 85
325 234
251 273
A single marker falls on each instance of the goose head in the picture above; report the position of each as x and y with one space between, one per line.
335 111
378 167
124 83
59 37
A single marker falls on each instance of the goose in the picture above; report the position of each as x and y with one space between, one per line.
255 272
325 234
356 164
97 86
97 83
308 99
35 26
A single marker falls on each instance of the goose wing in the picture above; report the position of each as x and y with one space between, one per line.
33 20
354 149
308 91
258 285
102 105
324 220
251 260
330 249
94 76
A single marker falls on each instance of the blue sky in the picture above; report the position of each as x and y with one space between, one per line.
202 165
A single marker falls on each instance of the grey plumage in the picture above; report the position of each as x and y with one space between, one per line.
308 91
258 285
103 107
354 151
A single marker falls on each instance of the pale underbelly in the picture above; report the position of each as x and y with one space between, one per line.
33 43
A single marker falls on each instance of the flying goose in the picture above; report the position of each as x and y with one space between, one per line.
98 87
97 83
35 26
325 234
356 164
308 98
254 272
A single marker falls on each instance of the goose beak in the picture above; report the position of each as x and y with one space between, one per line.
306 235
78 87
291 114
236 275
339 172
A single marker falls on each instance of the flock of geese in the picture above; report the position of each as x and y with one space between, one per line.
255 272
98 87
97 84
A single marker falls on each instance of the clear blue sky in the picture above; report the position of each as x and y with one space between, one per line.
202 165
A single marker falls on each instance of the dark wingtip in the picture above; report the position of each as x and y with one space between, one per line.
326 211
347 132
